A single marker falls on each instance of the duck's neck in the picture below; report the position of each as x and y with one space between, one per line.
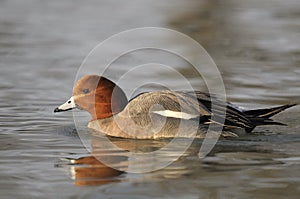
108 102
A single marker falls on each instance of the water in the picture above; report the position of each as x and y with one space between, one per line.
42 43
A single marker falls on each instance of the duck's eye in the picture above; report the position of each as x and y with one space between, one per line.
86 90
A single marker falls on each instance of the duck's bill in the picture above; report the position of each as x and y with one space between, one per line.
70 104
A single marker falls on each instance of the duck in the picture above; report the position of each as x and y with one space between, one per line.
162 114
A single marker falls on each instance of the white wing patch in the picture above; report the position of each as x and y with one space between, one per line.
175 114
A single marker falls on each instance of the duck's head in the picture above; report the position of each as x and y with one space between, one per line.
98 95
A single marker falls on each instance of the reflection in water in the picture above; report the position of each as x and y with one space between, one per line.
90 171
105 165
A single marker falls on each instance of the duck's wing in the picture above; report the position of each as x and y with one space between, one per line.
185 105
165 103
161 114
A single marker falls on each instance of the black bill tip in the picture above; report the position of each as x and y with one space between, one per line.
61 110
57 110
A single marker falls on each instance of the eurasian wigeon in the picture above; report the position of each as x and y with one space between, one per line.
160 114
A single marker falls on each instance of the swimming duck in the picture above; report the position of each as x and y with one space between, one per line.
160 114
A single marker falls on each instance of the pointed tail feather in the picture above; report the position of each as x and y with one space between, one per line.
266 112
262 116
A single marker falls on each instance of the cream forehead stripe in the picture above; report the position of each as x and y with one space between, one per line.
68 105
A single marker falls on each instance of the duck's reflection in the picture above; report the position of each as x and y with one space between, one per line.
106 165
110 165
90 171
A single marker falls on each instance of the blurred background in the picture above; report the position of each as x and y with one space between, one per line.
255 44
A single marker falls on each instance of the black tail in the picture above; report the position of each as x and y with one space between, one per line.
262 116
267 112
